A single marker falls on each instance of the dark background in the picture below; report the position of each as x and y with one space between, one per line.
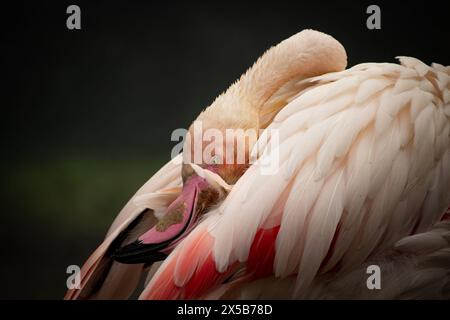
87 115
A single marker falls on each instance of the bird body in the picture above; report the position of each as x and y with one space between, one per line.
362 176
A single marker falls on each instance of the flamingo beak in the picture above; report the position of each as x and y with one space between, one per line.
181 216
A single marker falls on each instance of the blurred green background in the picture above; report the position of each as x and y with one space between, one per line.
58 211
87 115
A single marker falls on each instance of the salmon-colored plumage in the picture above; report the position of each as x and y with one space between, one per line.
360 175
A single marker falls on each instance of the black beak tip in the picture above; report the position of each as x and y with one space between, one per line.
137 252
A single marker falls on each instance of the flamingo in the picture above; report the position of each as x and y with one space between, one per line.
363 178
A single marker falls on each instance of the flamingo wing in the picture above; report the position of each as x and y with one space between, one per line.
417 261
363 160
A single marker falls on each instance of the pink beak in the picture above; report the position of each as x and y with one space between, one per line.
178 221
180 216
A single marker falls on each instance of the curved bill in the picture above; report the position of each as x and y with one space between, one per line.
172 227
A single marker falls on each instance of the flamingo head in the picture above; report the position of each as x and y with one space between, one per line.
218 145
205 185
